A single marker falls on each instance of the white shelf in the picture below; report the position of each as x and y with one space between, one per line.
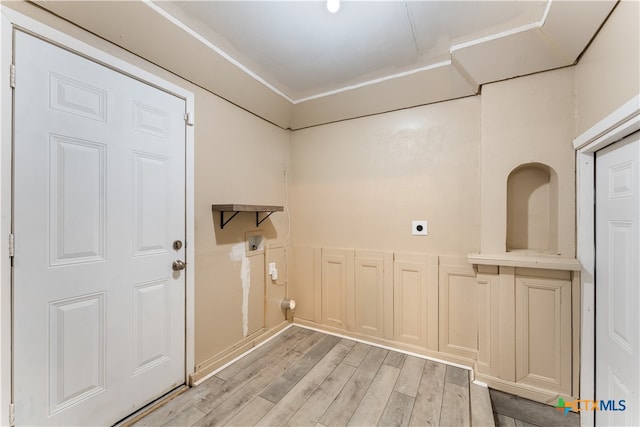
510 259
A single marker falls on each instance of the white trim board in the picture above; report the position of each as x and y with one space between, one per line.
622 122
617 125
386 347
8 20
6 98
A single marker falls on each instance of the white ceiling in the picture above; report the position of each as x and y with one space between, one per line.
303 51
296 65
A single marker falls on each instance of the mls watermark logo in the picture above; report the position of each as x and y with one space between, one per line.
590 405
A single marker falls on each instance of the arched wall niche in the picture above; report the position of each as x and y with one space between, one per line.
532 209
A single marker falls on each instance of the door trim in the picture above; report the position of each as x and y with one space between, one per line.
621 123
10 19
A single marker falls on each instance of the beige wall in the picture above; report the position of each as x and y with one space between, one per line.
608 74
525 120
360 183
239 158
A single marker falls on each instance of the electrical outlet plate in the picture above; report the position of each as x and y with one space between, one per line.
419 228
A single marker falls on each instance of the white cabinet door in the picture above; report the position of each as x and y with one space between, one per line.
618 280
99 197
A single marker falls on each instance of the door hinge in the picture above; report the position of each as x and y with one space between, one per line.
188 119
12 75
12 245
12 414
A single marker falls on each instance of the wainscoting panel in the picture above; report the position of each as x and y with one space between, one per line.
337 282
369 293
458 308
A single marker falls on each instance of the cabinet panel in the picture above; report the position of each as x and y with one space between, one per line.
369 293
256 297
543 333
301 285
458 310
507 330
337 278
488 324
410 299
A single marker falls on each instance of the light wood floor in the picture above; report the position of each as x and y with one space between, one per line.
307 378
514 411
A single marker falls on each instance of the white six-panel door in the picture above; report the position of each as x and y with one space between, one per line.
99 199
618 281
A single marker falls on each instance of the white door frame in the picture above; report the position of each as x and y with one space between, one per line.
10 19
617 125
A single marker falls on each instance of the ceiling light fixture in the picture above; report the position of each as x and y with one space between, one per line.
333 5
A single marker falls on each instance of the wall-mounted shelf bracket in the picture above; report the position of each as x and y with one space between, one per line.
223 222
258 220
236 209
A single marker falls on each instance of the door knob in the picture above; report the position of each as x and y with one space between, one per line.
179 265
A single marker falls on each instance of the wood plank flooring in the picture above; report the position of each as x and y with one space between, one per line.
307 378
514 411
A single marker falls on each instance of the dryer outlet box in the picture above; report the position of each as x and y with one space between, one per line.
419 228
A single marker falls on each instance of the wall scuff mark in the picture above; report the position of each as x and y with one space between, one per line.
238 253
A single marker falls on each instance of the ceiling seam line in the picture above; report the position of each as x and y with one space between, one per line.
413 30
372 82
329 122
